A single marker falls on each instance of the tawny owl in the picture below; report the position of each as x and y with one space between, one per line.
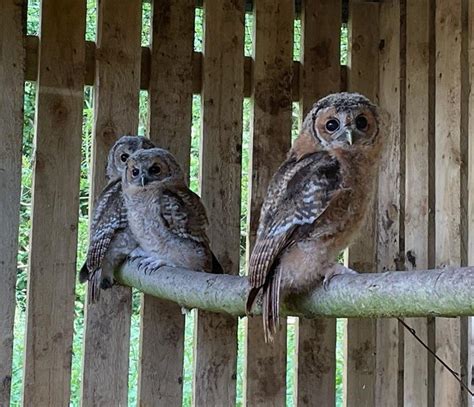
167 219
110 238
316 202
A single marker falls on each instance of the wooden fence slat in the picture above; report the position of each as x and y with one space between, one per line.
52 265
320 74
390 202
451 141
265 381
419 194
221 144
107 331
12 55
170 104
359 369
470 213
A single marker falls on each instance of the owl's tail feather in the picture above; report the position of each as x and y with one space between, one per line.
251 296
271 307
93 287
84 273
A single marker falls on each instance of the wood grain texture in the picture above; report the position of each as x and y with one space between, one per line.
107 331
320 74
390 200
160 381
419 191
265 379
12 55
220 173
360 336
470 213
55 206
451 141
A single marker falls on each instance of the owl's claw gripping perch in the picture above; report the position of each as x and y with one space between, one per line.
150 264
336 270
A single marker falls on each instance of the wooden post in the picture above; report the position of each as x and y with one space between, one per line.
470 212
451 186
107 331
52 265
320 74
419 191
215 370
390 201
12 55
160 379
265 378
359 370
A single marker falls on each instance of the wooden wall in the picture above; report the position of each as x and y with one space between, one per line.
414 58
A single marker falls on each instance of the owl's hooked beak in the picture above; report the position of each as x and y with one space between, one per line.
347 136
143 180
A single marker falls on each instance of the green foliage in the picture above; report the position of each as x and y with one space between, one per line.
33 24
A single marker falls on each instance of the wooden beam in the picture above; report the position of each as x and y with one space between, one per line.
360 338
160 379
439 292
117 72
265 374
320 74
12 55
55 205
451 150
419 191
215 367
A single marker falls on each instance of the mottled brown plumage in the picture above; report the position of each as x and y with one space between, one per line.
167 219
110 238
316 202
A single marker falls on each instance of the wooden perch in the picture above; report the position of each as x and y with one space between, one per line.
440 292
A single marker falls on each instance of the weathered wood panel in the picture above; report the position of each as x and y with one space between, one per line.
12 55
470 214
221 145
271 133
359 369
390 200
160 379
451 140
107 331
52 262
320 74
419 194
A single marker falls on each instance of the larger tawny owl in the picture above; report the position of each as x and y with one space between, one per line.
316 202
167 219
110 238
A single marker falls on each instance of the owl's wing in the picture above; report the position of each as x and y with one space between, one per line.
184 214
110 215
298 195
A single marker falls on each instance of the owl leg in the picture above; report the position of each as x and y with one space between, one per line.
336 270
106 277
150 264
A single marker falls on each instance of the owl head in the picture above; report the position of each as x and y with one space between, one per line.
123 148
344 120
147 169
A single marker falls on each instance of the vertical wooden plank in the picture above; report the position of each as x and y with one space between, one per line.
419 232
470 215
390 202
359 370
265 383
221 152
51 271
160 379
451 185
320 74
117 81
12 55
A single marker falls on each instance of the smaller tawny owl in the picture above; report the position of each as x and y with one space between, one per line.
316 202
167 219
110 238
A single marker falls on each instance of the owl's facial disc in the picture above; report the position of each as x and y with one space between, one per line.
148 172
355 126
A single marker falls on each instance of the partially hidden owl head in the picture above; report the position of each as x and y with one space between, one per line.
152 168
343 120
123 148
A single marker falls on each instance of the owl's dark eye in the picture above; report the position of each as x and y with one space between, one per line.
124 157
154 170
361 123
135 172
332 125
